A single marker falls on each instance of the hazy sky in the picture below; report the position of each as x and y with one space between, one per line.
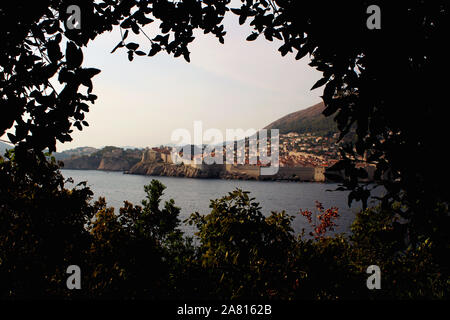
239 84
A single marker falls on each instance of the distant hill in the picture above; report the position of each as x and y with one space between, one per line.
107 158
73 153
307 120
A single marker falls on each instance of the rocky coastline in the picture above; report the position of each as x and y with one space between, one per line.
213 172
156 163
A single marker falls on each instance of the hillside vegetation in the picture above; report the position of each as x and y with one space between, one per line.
107 158
309 120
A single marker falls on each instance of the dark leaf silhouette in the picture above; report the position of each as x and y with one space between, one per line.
132 46
252 37
74 56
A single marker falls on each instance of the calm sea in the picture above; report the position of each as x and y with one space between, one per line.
193 195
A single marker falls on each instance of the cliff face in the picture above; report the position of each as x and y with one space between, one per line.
167 169
242 172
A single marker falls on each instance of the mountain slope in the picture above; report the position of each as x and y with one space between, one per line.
307 120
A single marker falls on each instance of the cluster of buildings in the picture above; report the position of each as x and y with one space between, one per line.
246 164
308 150
162 154
302 157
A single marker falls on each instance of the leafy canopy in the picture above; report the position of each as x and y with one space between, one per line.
380 83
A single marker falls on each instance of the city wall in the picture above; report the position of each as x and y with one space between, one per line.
249 170
244 171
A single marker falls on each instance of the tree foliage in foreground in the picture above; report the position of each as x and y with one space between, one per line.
42 226
383 85
44 89
380 83
238 253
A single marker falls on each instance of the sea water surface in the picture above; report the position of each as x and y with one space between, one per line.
193 195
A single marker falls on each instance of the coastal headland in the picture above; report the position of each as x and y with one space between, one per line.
158 162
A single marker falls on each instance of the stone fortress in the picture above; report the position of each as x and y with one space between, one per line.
156 155
159 161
